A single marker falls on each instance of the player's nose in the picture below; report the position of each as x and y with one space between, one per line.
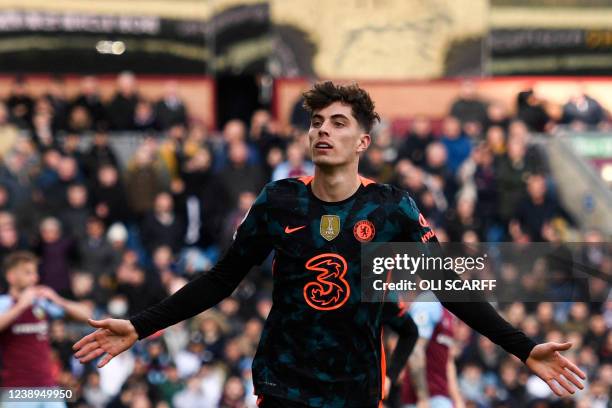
323 130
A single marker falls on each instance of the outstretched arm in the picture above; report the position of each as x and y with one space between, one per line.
543 359
251 246
117 335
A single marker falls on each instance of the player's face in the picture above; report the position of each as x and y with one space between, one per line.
23 275
335 137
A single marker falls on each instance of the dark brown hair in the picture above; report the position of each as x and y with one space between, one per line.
18 257
324 94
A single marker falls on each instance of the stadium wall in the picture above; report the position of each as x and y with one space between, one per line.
397 100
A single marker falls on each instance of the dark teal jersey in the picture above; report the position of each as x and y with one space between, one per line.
321 345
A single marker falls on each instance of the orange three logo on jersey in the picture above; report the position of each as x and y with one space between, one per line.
330 290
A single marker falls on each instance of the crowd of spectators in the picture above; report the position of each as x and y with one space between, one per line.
120 236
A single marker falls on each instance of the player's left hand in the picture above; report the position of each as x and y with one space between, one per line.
548 364
49 294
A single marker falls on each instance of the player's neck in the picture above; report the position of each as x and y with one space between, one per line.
14 292
334 184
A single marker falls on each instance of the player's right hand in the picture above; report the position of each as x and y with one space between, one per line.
26 298
422 403
113 337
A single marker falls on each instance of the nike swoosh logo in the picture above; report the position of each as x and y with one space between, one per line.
291 230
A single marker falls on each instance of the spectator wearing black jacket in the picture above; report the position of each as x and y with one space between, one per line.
416 141
20 103
89 99
170 110
531 111
162 225
109 196
202 199
538 208
122 107
469 107
99 154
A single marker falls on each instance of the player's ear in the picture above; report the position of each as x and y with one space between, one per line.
364 142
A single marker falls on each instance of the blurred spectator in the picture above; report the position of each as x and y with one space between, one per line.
296 164
442 180
582 110
234 132
61 342
193 396
469 107
43 134
122 108
463 219
457 145
96 255
538 208
20 103
513 388
8 131
138 291
109 198
144 116
56 96
480 182
189 359
239 176
171 385
496 140
79 120
93 394
531 110
55 193
233 394
71 147
264 133
235 217
162 226
577 319
511 172
415 143
75 214
383 138
497 115
471 384
10 238
373 165
57 253
164 266
300 118
172 146
202 202
100 153
170 110
16 176
89 99
535 158
143 181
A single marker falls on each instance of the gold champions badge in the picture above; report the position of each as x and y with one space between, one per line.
330 226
